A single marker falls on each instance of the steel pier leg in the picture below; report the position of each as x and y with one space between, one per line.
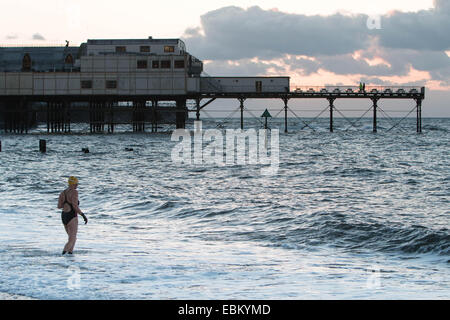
331 114
419 115
375 105
242 113
285 115
198 110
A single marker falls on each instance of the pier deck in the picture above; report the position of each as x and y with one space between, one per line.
19 111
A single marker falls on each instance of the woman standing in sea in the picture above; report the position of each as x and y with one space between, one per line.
68 201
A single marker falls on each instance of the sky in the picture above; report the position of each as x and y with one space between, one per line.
319 42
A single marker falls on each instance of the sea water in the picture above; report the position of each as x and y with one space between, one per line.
348 215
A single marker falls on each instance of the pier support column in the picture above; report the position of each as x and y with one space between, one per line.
375 106
110 108
285 114
181 115
50 116
102 115
331 101
241 100
91 116
198 109
138 116
109 116
47 105
154 115
23 115
5 117
419 115
97 116
66 117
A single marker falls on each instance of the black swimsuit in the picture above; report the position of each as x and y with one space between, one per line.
66 217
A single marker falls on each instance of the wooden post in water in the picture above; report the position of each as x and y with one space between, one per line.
43 146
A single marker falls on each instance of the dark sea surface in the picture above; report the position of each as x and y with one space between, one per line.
349 215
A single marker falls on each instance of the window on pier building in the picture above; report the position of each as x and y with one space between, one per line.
145 49
155 64
142 64
121 49
26 62
86 84
179 64
169 49
165 64
111 84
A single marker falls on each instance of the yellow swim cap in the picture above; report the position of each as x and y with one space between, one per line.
73 180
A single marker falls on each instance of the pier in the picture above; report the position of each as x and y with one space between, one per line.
375 94
147 82
143 113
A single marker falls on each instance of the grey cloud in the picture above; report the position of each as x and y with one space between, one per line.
442 75
11 37
346 64
192 32
38 36
423 30
437 63
400 61
442 5
303 66
241 67
235 33
417 39
379 82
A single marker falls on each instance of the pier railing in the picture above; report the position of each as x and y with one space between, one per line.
356 89
323 91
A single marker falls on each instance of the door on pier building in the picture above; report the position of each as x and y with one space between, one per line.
258 85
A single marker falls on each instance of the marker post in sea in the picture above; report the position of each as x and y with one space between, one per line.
266 115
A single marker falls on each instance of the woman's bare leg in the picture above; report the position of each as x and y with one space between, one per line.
71 229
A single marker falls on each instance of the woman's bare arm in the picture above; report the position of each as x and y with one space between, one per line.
61 201
74 202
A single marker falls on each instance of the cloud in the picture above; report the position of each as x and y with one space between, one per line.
236 33
303 65
12 37
347 65
423 30
442 5
243 67
307 44
38 36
